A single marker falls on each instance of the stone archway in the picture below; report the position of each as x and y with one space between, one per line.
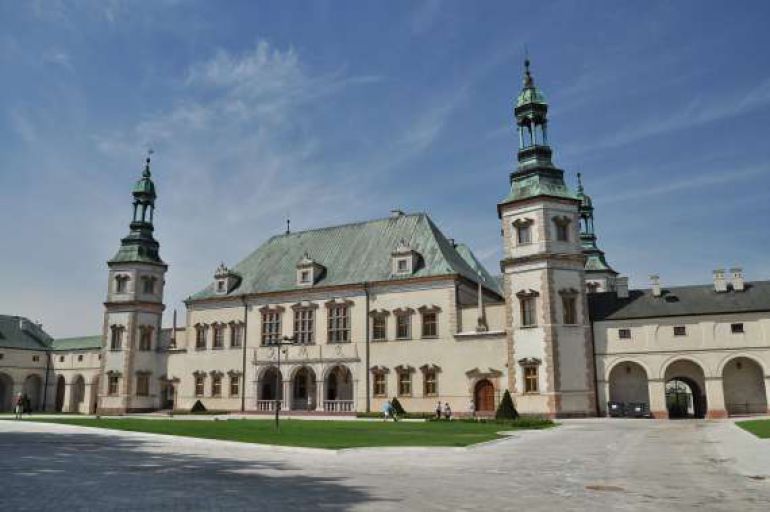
339 390
77 394
303 387
33 392
628 383
60 388
685 390
269 389
743 383
484 396
93 404
6 392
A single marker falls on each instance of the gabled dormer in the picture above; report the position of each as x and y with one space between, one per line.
309 271
225 280
404 259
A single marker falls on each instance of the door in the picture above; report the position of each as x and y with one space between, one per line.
484 397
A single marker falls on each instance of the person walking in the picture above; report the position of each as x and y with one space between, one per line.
18 407
438 410
447 411
386 408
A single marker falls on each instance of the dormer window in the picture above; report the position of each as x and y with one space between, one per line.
523 229
309 271
404 259
225 280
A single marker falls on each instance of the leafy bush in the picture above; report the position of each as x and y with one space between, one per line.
397 406
506 410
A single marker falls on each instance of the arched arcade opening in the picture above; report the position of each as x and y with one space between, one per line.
743 382
685 390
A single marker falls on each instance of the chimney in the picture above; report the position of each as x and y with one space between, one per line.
621 287
736 277
396 213
655 281
720 283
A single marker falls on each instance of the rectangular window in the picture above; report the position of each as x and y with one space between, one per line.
570 310
339 324
142 384
116 339
402 266
235 385
528 316
219 336
379 328
271 327
680 330
429 324
35 359
431 383
304 277
112 385
216 385
380 384
236 334
403 326
199 385
404 383
80 358
562 232
530 379
121 284
303 325
523 234
624 334
145 338
61 359
736 328
149 285
200 337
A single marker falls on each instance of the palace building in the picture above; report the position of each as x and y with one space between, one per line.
339 319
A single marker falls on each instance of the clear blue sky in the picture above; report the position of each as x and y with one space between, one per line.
338 111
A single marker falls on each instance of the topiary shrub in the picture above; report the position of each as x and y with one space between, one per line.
198 407
506 410
397 406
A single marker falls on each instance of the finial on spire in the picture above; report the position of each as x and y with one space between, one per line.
288 226
580 183
146 172
528 80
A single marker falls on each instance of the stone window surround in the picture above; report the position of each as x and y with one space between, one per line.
199 377
380 371
346 328
401 372
116 337
216 383
218 335
529 363
201 336
435 310
121 283
523 296
400 314
427 369
113 379
235 379
236 326
299 308
518 225
561 221
570 293
148 284
145 335
379 314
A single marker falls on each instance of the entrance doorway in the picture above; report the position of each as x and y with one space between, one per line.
484 396
685 390
303 390
60 393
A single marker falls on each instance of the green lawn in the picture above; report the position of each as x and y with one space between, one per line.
760 428
316 434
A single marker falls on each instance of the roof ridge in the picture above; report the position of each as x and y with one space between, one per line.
348 224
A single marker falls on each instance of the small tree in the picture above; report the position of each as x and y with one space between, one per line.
506 410
397 406
198 407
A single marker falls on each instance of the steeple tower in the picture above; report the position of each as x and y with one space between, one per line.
600 277
543 274
133 312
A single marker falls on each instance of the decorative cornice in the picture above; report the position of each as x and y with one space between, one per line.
530 361
426 367
379 369
525 294
429 309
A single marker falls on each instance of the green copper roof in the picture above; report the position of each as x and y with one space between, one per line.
353 254
20 333
79 343
531 95
538 185
137 254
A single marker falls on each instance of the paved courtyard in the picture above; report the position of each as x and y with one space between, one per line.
582 465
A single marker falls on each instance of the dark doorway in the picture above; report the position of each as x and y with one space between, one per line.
60 393
484 396
684 399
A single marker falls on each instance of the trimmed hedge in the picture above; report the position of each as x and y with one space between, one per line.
506 410
400 411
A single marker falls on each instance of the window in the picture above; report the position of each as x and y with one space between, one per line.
530 379
142 384
236 334
380 384
303 325
2 356
562 232
379 327
199 385
235 385
35 359
404 383
430 383
61 359
219 336
304 277
121 284
271 327
736 328
112 384
528 310
221 286
216 385
624 334
680 330
403 326
145 338
200 337
339 324
80 358
402 266
116 338
148 284
523 234
429 324
570 310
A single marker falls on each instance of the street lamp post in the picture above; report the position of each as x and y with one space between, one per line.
285 342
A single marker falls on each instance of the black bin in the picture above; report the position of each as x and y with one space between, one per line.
637 410
615 409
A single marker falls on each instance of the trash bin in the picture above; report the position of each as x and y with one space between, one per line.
615 409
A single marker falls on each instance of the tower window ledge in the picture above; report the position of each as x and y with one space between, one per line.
478 334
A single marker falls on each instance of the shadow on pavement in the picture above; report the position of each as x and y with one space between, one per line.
63 471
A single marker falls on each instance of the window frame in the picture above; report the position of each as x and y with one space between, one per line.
201 343
236 334
116 338
218 336
406 318
271 326
624 333
377 319
569 309
531 379
404 383
235 383
338 323
145 338
528 311
199 385
426 324
430 379
680 330
304 325
113 384
216 385
380 380
737 328
142 384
